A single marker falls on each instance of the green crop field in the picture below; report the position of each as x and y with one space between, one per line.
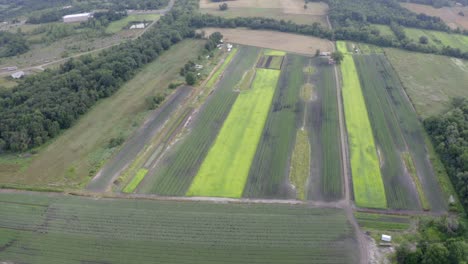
376 79
300 164
322 122
177 169
431 81
131 186
73 158
268 176
221 69
439 38
36 228
368 186
225 170
118 25
383 222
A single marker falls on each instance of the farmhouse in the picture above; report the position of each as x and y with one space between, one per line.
77 17
17 75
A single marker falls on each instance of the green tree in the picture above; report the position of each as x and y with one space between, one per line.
436 254
423 40
190 78
337 56
223 7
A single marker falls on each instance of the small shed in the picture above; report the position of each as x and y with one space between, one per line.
386 238
17 75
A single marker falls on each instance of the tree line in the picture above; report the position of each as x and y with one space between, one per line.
44 104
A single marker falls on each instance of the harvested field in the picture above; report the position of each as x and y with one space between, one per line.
448 14
430 81
273 40
36 228
225 170
368 186
174 174
279 9
269 173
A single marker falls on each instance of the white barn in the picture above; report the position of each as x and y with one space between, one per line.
76 18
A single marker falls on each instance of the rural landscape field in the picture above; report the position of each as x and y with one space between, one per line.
206 131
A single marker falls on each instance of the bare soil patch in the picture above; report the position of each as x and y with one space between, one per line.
448 14
273 40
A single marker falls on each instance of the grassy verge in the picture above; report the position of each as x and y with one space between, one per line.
412 171
131 186
221 69
226 167
300 164
367 181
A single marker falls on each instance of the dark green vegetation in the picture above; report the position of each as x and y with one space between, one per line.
60 96
438 241
449 133
270 62
176 170
397 130
436 3
268 176
12 44
382 222
322 123
40 228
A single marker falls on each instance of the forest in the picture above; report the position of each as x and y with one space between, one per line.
12 44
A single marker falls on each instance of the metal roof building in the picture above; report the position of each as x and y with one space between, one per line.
76 18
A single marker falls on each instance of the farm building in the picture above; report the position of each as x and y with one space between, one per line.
325 53
77 17
17 75
138 26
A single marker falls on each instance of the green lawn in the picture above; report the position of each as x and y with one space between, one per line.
300 164
41 229
118 25
221 69
367 181
438 38
384 30
225 169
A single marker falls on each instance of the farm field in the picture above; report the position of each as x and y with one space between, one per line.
376 79
268 176
384 30
438 38
278 9
383 222
368 186
189 153
273 40
41 228
225 170
448 14
118 25
321 120
300 164
70 160
431 81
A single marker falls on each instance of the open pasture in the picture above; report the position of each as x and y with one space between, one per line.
225 170
273 40
450 15
438 38
119 25
174 173
376 79
37 228
278 9
431 81
368 186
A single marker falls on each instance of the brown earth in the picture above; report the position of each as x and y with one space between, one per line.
273 40
448 14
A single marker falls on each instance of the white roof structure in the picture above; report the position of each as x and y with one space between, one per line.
386 238
17 75
77 15
138 26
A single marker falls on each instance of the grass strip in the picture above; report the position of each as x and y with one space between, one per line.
269 52
225 170
367 181
300 164
131 186
221 69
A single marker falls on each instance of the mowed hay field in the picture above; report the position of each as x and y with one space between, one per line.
273 40
174 173
438 38
224 171
448 14
367 181
70 160
278 9
431 81
40 228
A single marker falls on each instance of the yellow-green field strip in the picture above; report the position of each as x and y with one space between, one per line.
224 171
300 164
221 69
367 181
131 186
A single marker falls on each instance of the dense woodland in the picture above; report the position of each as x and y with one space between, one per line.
449 134
12 44
43 104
